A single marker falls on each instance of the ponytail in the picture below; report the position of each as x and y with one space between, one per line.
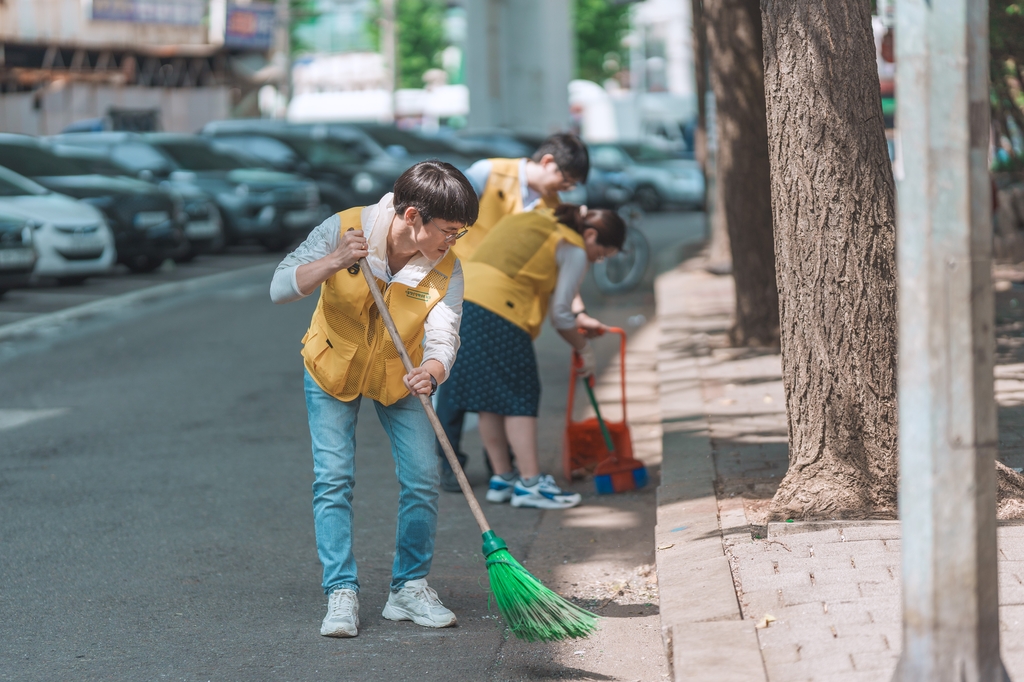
610 228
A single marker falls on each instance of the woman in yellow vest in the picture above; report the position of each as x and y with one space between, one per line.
406 239
506 187
527 262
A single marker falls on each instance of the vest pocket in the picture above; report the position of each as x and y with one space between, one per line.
329 358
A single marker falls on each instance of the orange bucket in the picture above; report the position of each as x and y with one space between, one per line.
583 446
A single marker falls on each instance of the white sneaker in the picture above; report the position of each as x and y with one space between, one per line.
544 494
342 619
418 603
499 489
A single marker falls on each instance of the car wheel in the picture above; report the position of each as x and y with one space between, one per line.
622 272
143 264
71 281
188 256
648 198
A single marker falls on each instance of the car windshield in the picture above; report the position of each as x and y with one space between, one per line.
138 156
328 152
644 153
259 147
14 185
37 161
199 157
387 136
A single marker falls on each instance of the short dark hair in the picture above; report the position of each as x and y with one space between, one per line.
610 227
437 190
570 154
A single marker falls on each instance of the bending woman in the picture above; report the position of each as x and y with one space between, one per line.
525 262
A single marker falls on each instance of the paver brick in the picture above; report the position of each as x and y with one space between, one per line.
878 531
780 654
822 593
826 648
846 574
879 589
852 612
775 582
850 548
875 660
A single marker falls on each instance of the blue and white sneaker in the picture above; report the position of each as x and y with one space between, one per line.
500 490
544 494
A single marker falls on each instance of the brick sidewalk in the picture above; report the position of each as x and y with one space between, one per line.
822 601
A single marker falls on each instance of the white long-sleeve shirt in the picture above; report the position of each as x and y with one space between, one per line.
441 329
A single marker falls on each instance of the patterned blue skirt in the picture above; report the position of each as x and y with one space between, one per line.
496 368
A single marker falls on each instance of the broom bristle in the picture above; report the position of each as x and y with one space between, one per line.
532 611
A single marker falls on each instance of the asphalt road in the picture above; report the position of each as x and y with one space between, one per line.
155 495
48 297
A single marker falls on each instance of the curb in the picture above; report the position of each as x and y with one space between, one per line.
41 324
703 630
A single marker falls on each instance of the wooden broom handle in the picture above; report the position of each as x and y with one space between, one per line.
449 453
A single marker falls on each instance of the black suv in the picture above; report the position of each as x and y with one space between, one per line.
146 220
122 153
349 168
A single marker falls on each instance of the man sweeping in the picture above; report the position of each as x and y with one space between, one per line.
406 240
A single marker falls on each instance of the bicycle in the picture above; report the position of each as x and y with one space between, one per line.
625 270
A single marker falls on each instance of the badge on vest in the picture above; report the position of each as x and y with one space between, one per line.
418 295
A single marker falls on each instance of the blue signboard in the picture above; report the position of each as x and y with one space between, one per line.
250 26
181 12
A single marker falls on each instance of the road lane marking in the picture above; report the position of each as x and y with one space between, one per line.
10 419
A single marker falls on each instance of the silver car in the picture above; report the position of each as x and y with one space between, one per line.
71 238
660 178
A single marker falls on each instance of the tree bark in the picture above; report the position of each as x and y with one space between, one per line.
743 184
835 237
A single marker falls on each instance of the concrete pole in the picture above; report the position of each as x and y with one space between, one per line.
388 40
282 48
947 413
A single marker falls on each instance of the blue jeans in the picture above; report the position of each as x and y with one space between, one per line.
451 418
332 427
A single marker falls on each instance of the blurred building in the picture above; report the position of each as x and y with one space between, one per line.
656 104
169 64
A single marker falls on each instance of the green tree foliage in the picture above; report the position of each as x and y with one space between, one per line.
1006 46
301 13
600 26
421 38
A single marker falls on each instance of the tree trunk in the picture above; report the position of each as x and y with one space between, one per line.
743 185
835 241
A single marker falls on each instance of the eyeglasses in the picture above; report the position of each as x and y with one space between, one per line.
450 236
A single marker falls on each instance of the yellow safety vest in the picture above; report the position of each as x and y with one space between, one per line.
347 350
503 195
513 272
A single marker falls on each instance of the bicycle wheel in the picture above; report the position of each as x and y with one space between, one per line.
625 270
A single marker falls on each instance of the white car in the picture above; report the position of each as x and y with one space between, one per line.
71 238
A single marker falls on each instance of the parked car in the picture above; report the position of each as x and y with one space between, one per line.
658 177
146 221
349 168
17 255
257 204
409 147
496 142
125 154
72 240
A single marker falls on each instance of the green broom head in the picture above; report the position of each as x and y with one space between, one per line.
531 611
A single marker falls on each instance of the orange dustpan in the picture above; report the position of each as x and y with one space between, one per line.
594 445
